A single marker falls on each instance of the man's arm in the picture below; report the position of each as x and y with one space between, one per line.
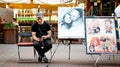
48 35
34 36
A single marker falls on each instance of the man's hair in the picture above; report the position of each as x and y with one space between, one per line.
79 10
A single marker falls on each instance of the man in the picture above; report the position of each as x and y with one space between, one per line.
77 23
76 14
41 33
117 10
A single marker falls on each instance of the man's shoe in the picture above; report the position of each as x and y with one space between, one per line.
40 59
44 58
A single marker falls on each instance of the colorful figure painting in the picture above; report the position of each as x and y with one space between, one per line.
101 35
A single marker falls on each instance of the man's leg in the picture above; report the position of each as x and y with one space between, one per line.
47 46
38 47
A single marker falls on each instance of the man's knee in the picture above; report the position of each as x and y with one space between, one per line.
36 44
49 45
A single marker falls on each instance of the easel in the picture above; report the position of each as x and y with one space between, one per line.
99 56
84 43
95 60
92 55
69 44
113 58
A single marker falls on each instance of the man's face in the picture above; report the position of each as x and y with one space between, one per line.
39 20
74 15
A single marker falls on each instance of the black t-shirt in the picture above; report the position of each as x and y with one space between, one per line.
40 29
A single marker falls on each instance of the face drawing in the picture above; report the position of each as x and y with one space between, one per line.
74 15
67 18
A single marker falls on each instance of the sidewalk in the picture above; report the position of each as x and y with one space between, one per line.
78 57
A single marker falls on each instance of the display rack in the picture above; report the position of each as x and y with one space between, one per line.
28 16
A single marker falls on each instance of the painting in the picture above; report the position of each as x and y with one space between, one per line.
71 23
101 35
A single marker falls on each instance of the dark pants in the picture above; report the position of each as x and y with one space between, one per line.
43 47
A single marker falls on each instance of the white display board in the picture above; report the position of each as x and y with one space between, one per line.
71 23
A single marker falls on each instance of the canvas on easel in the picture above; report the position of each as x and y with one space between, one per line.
71 23
101 35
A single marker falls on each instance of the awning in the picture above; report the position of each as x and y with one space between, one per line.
47 4
53 1
15 1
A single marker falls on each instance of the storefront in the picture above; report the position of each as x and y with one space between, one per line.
25 10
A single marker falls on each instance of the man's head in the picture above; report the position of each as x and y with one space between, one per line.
75 14
39 18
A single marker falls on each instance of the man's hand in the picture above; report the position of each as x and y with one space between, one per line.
40 39
44 37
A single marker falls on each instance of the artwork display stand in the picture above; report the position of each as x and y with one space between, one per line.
103 38
99 56
92 55
62 40
69 44
113 58
95 60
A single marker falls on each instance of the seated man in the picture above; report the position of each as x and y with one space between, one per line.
41 33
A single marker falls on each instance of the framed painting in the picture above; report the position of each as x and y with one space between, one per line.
71 23
101 35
